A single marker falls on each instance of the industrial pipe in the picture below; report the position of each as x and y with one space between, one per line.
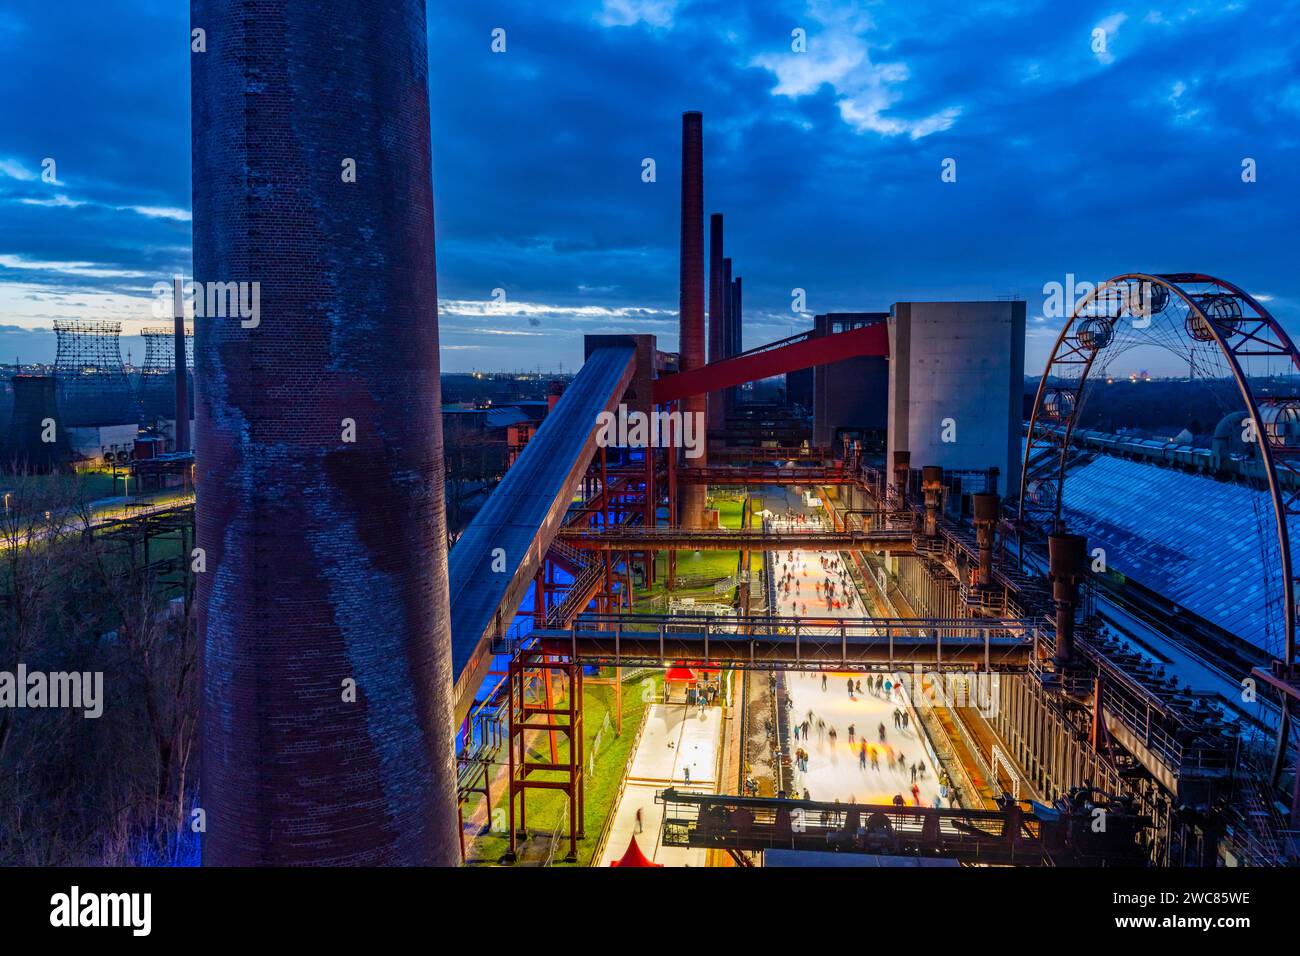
932 486
987 508
1067 563
902 472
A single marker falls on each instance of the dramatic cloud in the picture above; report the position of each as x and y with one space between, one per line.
825 163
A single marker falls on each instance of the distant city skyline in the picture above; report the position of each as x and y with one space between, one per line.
1070 160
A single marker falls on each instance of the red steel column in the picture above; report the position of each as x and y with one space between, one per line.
691 302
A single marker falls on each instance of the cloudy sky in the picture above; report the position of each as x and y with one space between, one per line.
1088 138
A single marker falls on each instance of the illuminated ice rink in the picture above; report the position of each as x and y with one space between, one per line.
676 739
836 771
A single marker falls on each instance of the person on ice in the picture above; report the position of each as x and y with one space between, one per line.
823 682
850 686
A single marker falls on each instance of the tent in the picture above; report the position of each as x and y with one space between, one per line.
634 857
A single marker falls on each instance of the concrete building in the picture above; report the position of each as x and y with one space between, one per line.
956 376
849 397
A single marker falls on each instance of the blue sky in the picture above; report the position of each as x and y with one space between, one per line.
826 163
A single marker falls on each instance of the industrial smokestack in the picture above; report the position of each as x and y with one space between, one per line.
182 431
987 508
691 302
733 333
717 320
728 302
932 486
327 705
734 326
1067 562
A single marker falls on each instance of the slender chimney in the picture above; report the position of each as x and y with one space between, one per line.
717 320
737 339
691 302
733 333
327 718
182 431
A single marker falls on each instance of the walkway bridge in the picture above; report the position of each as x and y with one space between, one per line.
748 539
1017 834
792 643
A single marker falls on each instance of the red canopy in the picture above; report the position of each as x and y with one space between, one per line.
679 674
634 857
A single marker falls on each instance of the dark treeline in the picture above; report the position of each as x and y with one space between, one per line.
118 789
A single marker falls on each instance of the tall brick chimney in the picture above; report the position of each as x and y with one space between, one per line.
717 319
691 303
326 717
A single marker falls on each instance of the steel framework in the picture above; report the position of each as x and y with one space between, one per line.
92 381
1219 322
160 351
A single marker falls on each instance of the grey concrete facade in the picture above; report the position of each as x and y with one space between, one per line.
956 379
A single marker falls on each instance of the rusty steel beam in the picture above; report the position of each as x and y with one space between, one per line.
870 340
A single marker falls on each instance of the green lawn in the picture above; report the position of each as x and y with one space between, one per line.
545 806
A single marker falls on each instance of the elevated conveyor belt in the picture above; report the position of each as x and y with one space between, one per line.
523 516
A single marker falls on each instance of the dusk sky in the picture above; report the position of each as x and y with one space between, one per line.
826 163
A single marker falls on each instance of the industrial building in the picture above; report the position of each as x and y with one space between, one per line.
951 564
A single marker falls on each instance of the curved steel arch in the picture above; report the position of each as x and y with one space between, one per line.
1057 406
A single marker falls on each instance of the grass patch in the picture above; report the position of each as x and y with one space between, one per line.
545 806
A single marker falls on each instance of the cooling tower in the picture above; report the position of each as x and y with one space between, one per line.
327 718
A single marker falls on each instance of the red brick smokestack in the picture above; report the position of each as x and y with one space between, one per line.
717 319
691 303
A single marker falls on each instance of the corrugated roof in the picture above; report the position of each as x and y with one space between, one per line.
1200 542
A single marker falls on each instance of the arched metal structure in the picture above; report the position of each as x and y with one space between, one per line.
1220 325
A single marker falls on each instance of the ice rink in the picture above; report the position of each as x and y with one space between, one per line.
836 772
676 739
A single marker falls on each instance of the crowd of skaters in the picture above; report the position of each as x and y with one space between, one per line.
836 591
869 752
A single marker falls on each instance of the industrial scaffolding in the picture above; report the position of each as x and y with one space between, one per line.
92 382
158 373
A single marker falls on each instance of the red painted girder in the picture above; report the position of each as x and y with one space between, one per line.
871 340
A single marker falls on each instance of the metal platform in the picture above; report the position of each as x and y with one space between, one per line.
769 643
